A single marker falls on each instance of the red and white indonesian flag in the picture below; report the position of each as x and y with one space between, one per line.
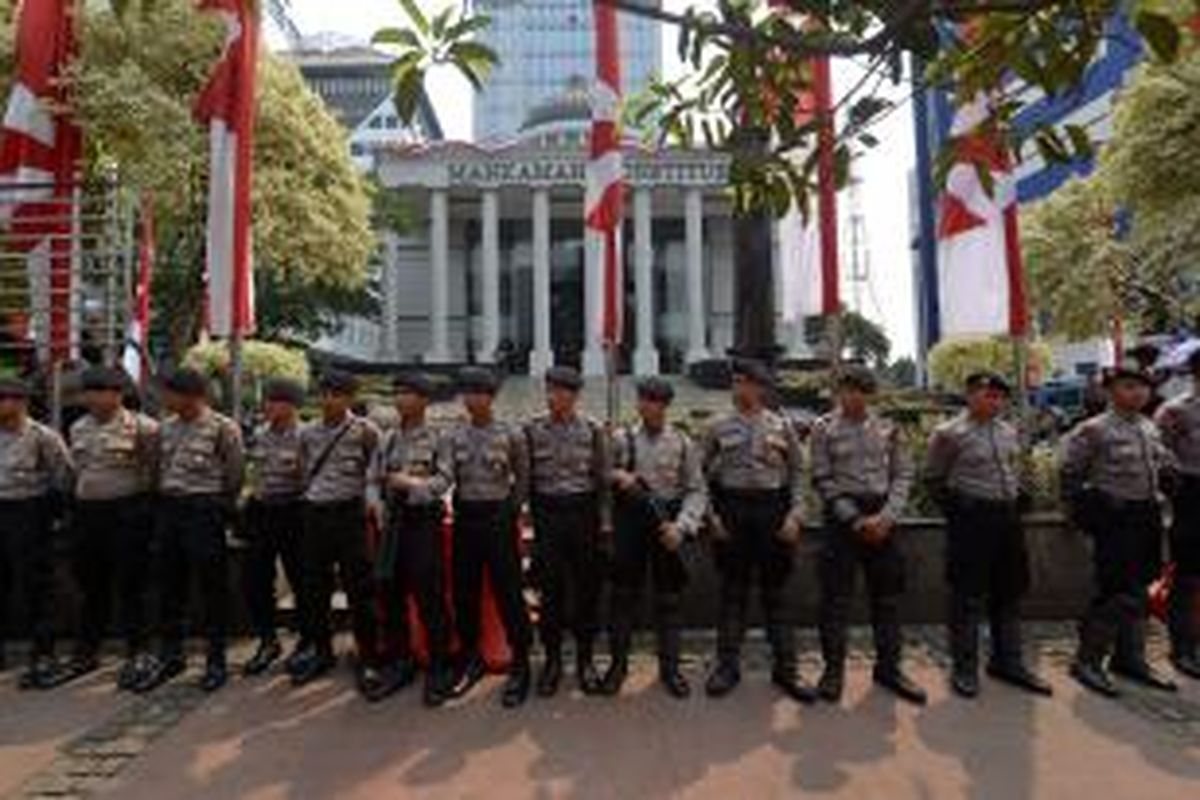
604 200
39 150
227 106
981 283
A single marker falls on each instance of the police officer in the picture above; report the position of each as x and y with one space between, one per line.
413 474
973 472
489 463
35 474
273 515
336 452
863 472
200 477
754 466
659 502
1179 424
116 457
572 518
1113 469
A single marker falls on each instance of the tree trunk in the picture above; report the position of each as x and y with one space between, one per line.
754 286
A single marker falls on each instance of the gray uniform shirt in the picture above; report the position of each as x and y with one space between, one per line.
756 452
201 457
669 464
417 451
860 457
276 470
33 461
1119 455
488 462
570 457
979 460
343 475
116 458
1179 425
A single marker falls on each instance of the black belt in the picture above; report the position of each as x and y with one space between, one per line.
564 500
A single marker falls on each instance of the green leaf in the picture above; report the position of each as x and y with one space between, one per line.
475 53
867 108
1081 143
868 140
400 37
1161 33
409 86
413 10
468 25
440 22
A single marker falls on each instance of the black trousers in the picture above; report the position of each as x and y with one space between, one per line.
1183 613
27 560
1127 539
638 550
484 538
567 568
334 539
273 530
842 555
418 570
987 568
752 520
111 554
190 539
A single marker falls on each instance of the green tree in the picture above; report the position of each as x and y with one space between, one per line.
952 360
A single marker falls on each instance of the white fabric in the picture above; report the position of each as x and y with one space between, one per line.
223 163
27 114
973 282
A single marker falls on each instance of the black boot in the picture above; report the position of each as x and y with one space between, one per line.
832 683
84 662
892 678
1129 661
43 673
472 672
551 674
159 670
516 686
724 678
614 677
376 684
964 646
1094 677
1097 637
1007 664
312 664
786 678
833 653
586 674
294 660
267 654
437 684
672 679
216 672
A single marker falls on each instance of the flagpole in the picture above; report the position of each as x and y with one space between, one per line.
235 374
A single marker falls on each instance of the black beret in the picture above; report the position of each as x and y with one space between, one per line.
656 388
753 370
1115 374
856 376
103 379
564 378
187 382
477 380
283 390
13 387
415 382
338 382
988 380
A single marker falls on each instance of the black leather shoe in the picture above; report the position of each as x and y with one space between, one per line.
516 687
159 670
899 684
82 663
1095 678
312 665
296 658
614 677
472 672
673 681
588 677
964 683
437 687
550 676
1020 676
216 674
43 673
723 679
1145 675
831 685
133 671
791 684
267 654
1188 665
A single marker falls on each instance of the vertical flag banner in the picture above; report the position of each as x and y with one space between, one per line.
138 335
604 201
227 106
39 151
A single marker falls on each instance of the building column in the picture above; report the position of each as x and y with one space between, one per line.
390 350
489 207
645 355
541 358
593 302
693 202
439 278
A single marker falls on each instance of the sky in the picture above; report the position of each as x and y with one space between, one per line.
883 193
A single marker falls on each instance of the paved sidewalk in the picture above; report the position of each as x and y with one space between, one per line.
262 739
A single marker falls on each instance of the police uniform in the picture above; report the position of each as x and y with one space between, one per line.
755 469
35 473
200 476
973 471
336 461
1113 469
272 520
116 462
670 488
571 505
489 468
861 468
1179 425
411 560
